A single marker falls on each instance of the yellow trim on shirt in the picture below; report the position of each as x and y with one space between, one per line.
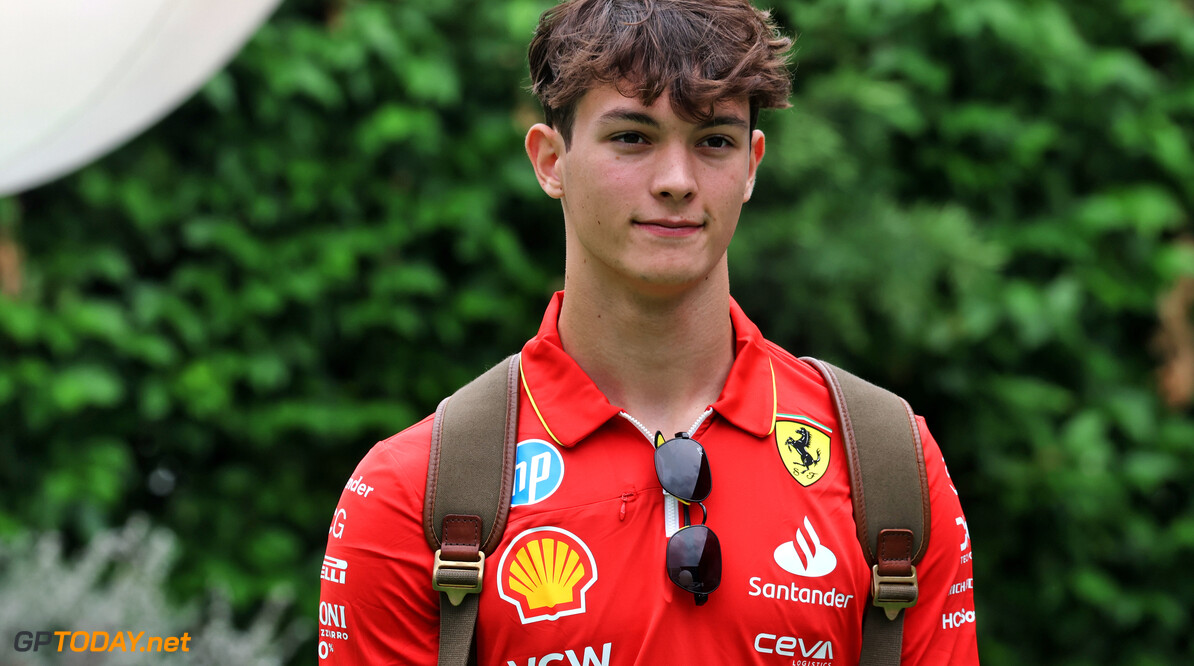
774 398
527 388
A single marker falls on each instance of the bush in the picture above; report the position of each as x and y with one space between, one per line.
979 204
116 585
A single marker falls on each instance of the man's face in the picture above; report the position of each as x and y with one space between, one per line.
649 199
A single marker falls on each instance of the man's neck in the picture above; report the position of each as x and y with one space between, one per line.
661 359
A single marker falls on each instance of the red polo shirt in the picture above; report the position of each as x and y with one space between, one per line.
579 577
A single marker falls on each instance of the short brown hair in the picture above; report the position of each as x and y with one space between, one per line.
698 51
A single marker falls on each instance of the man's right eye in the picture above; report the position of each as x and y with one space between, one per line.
629 138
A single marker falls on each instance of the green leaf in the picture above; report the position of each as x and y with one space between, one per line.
79 386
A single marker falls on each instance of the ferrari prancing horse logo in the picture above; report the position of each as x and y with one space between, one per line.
804 450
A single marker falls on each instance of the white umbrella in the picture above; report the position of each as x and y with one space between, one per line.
80 77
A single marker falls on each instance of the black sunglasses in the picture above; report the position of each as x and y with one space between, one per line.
693 552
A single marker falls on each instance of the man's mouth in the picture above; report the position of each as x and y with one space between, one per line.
670 226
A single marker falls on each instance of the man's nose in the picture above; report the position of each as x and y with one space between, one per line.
675 178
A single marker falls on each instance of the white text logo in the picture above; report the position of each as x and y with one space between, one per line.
801 595
956 620
337 528
332 615
358 486
787 645
589 658
961 587
966 556
334 570
813 560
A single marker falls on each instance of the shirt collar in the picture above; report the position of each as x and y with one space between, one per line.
748 400
571 407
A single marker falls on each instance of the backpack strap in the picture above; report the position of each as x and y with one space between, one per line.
890 491
473 439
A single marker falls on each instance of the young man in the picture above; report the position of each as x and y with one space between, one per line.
650 147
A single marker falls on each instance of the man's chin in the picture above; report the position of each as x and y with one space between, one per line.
671 284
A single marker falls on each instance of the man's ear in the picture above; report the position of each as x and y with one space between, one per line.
758 146
545 147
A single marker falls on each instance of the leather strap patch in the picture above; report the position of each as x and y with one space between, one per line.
462 538
895 552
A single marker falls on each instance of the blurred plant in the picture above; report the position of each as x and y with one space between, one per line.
978 204
118 583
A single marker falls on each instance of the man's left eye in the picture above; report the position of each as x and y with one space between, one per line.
717 142
629 138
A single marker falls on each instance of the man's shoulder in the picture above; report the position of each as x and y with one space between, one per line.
407 441
790 368
400 459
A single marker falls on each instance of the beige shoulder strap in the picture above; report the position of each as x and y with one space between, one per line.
470 479
890 491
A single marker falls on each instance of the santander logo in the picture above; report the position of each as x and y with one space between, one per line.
806 556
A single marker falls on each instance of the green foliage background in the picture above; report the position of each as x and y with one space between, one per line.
977 203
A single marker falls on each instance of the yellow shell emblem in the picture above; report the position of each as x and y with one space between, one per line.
804 448
545 573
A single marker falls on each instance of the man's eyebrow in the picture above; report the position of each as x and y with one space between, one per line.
719 121
628 115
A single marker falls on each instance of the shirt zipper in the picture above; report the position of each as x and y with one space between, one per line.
671 506
626 497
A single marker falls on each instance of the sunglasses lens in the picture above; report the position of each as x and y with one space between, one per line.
694 559
683 469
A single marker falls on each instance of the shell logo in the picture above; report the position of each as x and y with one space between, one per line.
545 573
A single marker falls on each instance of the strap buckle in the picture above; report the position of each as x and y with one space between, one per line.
457 578
893 593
